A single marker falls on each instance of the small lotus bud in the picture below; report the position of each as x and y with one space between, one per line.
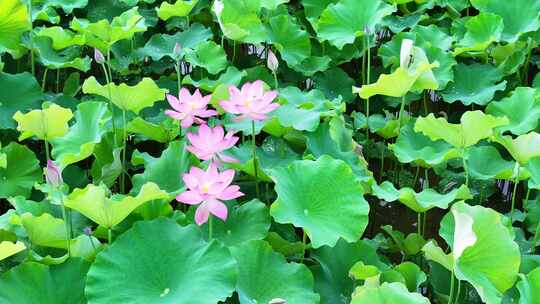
405 55
177 49
53 174
98 56
217 7
277 301
272 61
87 231
367 31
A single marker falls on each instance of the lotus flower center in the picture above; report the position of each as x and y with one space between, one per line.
206 187
248 103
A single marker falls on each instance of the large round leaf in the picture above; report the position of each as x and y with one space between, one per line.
45 124
482 30
20 92
343 22
161 262
14 21
80 141
387 293
483 250
522 109
21 173
323 197
468 88
529 287
264 275
519 16
289 38
32 283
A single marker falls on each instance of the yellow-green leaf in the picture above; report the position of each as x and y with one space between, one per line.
129 98
8 249
46 124
180 8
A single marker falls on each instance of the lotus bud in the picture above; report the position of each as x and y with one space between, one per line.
367 31
98 56
405 55
87 231
177 49
272 62
53 174
218 8
277 301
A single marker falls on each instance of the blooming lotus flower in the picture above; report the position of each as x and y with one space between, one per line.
250 102
208 189
209 143
189 108
53 174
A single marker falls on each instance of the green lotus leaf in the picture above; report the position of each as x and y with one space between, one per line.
341 23
264 275
474 126
523 148
239 20
522 108
8 249
232 232
423 201
61 38
386 293
126 97
103 34
413 275
33 282
161 262
107 165
66 5
519 17
93 203
415 147
335 140
14 22
21 173
301 110
272 4
45 13
45 230
46 124
80 141
208 55
360 271
180 8
485 163
162 45
479 240
417 77
159 133
432 36
434 253
166 170
314 8
67 58
533 166
332 279
20 92
529 287
336 84
323 197
289 39
468 88
482 31
3 158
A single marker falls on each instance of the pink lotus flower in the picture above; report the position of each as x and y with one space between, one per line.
250 102
210 143
208 188
53 174
189 108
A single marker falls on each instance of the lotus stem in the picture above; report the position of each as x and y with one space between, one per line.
57 80
210 226
419 223
47 152
368 76
458 290
66 224
109 235
516 183
536 234
124 148
44 80
32 59
275 80
304 241
254 146
178 76
401 109
108 78
451 295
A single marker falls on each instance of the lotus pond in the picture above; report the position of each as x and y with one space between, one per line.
269 151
